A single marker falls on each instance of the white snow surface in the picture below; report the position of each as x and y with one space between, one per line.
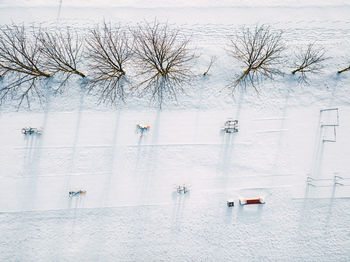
131 211
178 3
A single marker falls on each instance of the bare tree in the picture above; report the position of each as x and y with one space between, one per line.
21 60
212 61
109 52
309 61
63 52
344 70
164 61
259 50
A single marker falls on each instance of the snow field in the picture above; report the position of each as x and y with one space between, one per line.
131 211
130 183
88 146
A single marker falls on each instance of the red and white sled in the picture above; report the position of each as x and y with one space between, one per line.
251 201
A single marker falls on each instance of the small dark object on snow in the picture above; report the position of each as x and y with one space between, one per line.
140 128
230 203
31 131
182 189
230 126
74 193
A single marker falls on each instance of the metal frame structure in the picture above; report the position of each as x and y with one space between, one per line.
331 125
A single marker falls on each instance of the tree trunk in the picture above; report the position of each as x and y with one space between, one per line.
243 75
297 70
80 73
343 70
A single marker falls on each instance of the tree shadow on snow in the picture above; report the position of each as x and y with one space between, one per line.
179 200
227 144
149 153
71 164
32 158
113 163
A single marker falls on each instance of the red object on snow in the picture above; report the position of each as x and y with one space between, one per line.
251 201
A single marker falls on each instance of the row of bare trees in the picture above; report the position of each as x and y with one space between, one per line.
158 56
30 59
162 59
260 50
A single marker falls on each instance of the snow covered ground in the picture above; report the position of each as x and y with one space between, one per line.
131 211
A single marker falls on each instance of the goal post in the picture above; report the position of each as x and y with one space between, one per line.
329 127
